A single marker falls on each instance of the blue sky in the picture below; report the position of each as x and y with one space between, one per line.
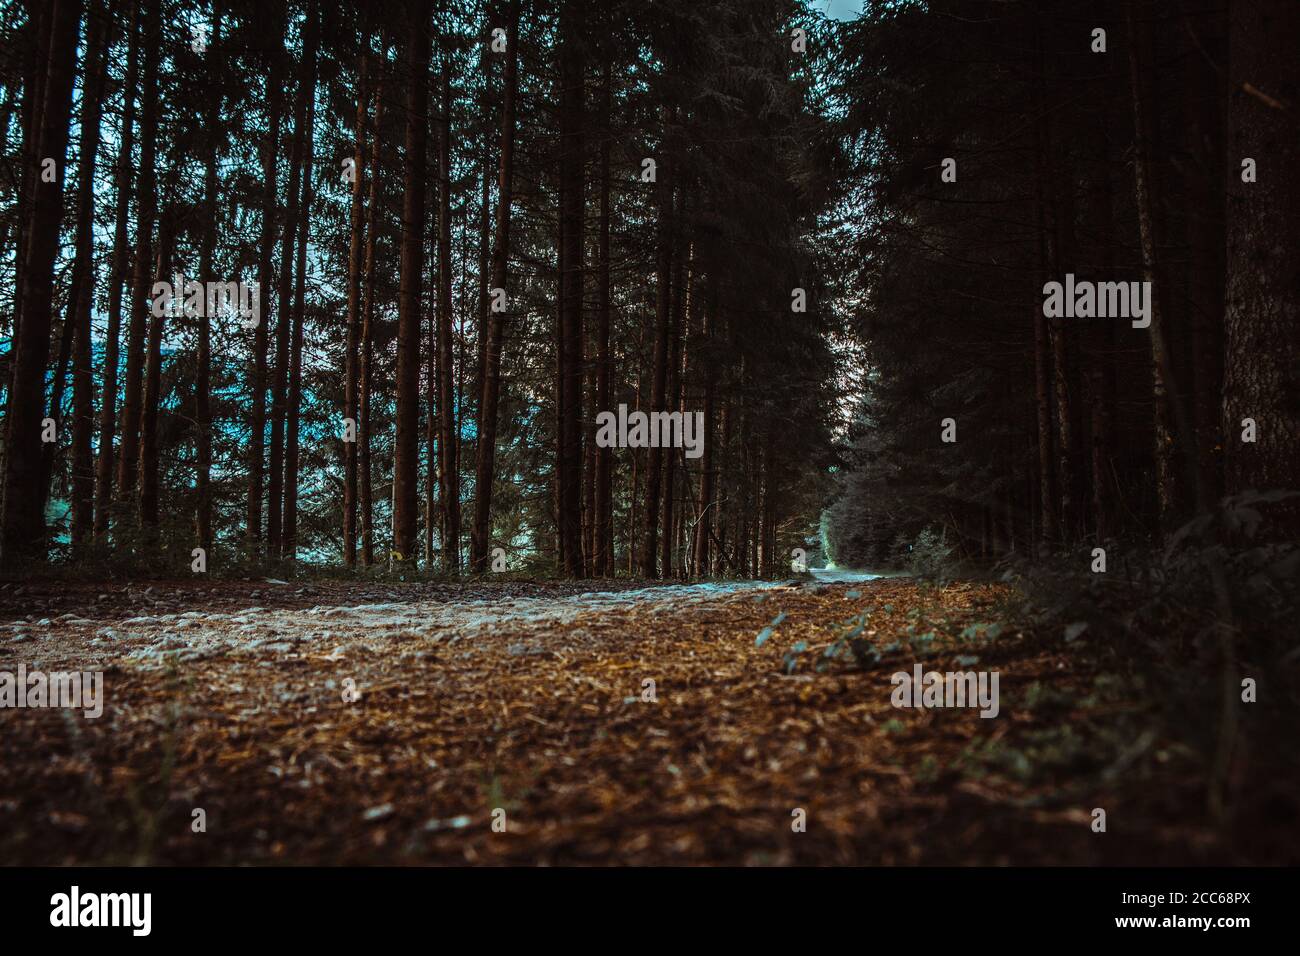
838 9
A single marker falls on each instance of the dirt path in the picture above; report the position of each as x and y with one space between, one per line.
643 725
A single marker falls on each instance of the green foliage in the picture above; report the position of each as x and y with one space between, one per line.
1179 627
768 631
928 556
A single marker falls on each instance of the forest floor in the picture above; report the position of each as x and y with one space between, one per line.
531 698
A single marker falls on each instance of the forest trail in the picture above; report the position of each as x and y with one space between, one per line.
842 575
532 699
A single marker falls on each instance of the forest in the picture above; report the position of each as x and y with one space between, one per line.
750 348
612 178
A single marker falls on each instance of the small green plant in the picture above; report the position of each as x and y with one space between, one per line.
849 638
928 556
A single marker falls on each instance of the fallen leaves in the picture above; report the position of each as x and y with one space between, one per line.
531 701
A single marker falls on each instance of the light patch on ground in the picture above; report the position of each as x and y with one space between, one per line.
150 641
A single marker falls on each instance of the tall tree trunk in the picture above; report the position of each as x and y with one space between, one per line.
681 302
572 208
704 352
589 467
1102 337
1042 380
766 507
121 269
1170 417
748 476
434 524
350 357
367 337
633 532
1044 339
406 455
128 463
476 385
447 432
659 385
152 395
1206 210
289 531
721 505
1062 354
82 296
603 552
37 65
1102 374
284 297
485 466
203 376
432 471
1262 348
265 277
484 249
22 526
83 271
558 475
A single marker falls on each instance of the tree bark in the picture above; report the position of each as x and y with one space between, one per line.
83 273
121 269
37 65
1062 238
406 452
1263 292
681 302
22 526
721 504
350 357
284 297
704 352
257 417
659 385
289 542
490 400
449 477
152 395
1170 418
1043 337
572 208
1042 386
203 376
603 552
128 464
82 295
367 337
1206 91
